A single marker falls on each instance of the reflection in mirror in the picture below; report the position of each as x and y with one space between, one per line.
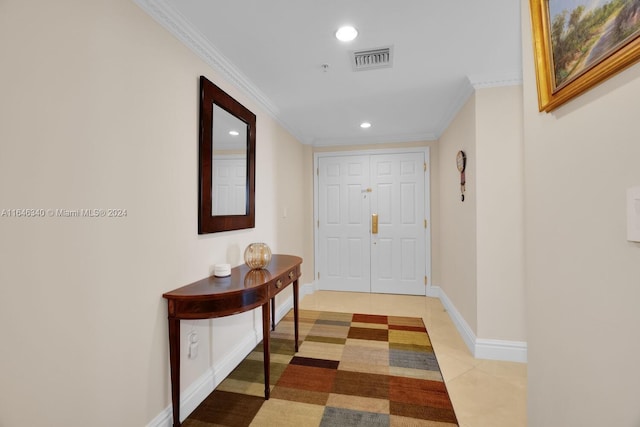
227 162
229 174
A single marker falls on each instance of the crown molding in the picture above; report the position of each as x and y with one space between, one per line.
488 81
173 21
468 87
177 25
464 93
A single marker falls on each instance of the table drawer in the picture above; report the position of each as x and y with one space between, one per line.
284 280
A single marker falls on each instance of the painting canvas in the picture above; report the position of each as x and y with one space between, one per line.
579 43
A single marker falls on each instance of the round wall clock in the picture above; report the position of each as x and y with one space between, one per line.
461 161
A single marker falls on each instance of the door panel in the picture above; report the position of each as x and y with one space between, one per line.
398 250
230 180
343 219
385 258
408 261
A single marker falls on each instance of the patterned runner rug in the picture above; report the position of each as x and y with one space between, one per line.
351 370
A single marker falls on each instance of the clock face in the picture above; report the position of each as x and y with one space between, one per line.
461 160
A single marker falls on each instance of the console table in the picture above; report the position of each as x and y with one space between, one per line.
243 290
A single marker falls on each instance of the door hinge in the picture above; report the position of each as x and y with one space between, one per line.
318 223
425 280
425 223
318 275
318 171
425 166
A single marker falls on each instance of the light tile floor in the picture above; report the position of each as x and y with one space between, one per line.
484 393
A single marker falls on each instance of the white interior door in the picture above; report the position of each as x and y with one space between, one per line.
350 188
398 249
343 219
230 180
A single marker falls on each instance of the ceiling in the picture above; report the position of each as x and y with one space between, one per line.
276 51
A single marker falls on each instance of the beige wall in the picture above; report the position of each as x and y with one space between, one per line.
582 282
457 226
99 110
482 248
500 245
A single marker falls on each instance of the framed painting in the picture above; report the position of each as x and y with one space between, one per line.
580 43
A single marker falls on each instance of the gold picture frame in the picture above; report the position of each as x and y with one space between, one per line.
568 68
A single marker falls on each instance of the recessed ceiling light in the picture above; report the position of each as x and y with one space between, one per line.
365 125
234 132
346 33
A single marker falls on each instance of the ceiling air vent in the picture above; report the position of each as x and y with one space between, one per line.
372 58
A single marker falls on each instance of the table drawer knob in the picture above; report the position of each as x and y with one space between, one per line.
279 283
292 275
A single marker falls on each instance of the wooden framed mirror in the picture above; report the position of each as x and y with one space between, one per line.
227 154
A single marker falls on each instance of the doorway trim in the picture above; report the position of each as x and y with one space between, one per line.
427 201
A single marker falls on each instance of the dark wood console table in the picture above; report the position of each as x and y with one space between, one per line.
213 296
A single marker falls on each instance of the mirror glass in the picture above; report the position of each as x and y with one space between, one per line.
227 153
229 175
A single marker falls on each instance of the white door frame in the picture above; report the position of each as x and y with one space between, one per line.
427 200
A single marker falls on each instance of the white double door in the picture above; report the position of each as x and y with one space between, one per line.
351 191
230 185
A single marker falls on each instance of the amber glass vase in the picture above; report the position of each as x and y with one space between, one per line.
257 255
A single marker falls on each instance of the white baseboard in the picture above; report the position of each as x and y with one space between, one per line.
163 419
509 351
461 325
481 348
207 382
308 289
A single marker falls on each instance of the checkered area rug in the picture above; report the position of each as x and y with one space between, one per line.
350 370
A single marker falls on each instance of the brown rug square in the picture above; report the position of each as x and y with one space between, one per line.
351 370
